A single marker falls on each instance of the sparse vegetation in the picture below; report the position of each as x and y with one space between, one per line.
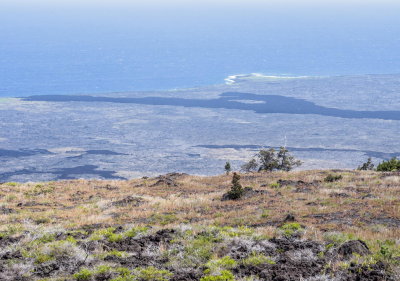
181 229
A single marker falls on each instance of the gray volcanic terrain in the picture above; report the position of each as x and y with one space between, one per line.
328 122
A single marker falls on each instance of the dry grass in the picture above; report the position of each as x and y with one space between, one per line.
366 204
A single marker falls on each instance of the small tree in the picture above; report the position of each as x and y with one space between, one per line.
286 162
271 160
250 166
236 189
367 166
268 161
227 167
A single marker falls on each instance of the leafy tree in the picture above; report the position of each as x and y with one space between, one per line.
268 160
250 166
367 166
227 167
286 162
389 166
271 160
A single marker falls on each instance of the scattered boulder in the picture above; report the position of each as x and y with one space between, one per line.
303 190
347 249
339 195
168 179
248 192
107 187
289 218
6 211
300 183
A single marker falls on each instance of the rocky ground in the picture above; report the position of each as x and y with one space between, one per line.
309 225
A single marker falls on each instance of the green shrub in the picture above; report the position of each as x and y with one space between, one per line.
222 263
113 253
391 165
102 233
257 259
134 231
332 178
152 274
45 238
274 185
197 249
83 275
224 275
42 258
389 251
123 271
114 237
124 278
103 269
291 229
265 214
337 238
40 189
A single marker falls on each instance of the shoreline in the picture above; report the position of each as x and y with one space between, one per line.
230 80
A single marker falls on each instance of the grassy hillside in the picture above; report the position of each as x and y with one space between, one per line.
292 226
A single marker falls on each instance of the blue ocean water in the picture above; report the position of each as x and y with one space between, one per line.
52 49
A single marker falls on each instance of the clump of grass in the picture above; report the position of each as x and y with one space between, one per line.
134 231
332 178
39 189
163 219
389 251
291 229
274 185
338 238
152 274
257 259
83 275
10 198
265 214
222 263
218 269
224 275
113 253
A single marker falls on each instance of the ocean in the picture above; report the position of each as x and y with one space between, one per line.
66 49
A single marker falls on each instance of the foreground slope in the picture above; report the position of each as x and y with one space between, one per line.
292 226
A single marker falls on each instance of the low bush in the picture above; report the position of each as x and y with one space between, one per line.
83 275
391 165
291 229
332 178
152 274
